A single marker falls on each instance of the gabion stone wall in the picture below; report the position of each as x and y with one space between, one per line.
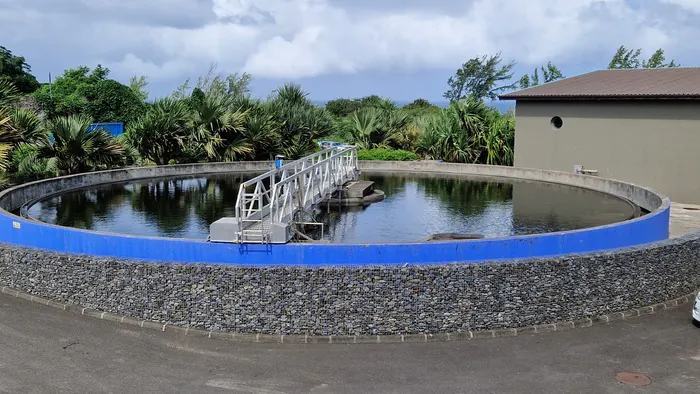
362 300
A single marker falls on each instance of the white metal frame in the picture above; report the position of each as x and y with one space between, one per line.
277 195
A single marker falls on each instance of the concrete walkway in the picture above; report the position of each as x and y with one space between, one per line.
46 350
685 218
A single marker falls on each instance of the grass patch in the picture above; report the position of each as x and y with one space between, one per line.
386 154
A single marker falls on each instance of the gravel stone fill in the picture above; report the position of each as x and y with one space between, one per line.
361 300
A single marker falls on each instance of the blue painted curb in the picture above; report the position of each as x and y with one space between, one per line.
650 228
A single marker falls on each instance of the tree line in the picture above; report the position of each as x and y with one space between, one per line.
45 129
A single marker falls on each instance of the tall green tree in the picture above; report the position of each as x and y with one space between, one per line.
236 85
378 102
625 58
419 108
418 103
82 91
112 101
14 69
481 78
550 73
658 60
342 107
138 84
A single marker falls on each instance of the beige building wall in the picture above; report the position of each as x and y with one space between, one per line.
655 144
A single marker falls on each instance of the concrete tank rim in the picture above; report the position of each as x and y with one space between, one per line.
666 202
663 207
12 189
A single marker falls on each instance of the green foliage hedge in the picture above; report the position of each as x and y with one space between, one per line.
386 154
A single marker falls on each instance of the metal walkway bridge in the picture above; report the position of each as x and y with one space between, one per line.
269 204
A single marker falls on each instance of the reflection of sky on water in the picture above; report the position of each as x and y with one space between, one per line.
415 208
411 214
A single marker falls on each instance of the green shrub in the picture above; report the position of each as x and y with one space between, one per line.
386 154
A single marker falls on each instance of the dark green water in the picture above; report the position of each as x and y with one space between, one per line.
416 206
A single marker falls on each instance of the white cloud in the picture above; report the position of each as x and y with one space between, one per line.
172 39
690 5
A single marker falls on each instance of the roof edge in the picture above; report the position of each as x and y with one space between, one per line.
597 97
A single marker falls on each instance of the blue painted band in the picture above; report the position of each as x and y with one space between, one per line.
650 228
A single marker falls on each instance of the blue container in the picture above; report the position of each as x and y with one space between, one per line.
115 129
278 161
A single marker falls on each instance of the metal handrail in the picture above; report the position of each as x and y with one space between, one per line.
349 154
294 186
291 165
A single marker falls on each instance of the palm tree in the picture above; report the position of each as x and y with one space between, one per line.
9 94
162 133
29 124
363 124
131 154
428 144
27 165
455 133
497 140
300 122
410 135
9 134
292 94
378 128
261 133
469 114
220 130
396 124
18 126
75 149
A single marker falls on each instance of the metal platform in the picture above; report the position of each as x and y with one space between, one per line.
268 204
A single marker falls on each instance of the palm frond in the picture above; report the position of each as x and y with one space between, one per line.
5 149
9 95
76 149
29 124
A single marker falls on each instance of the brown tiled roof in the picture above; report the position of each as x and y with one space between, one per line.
660 83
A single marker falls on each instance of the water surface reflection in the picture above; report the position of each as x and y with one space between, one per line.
416 206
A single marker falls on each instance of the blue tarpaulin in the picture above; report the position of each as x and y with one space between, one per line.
115 129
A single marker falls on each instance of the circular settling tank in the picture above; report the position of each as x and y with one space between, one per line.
132 242
416 207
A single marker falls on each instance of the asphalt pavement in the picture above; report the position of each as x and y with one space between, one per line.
43 350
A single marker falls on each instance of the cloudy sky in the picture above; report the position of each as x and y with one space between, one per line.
401 49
